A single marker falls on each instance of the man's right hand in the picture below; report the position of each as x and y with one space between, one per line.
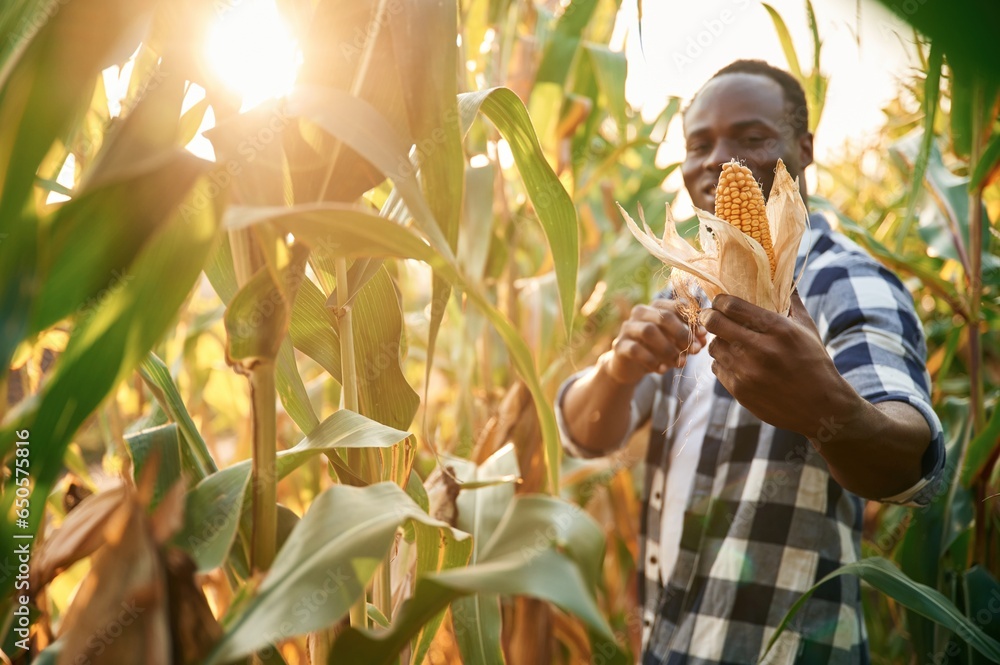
597 406
654 339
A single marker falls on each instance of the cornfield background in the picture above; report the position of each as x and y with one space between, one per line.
295 404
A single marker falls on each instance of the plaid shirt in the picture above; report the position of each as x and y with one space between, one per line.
765 520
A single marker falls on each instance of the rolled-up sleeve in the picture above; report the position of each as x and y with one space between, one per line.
871 330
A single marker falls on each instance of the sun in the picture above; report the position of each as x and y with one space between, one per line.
252 51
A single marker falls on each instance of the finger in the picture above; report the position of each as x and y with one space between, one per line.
724 376
722 352
701 334
798 312
798 308
651 336
678 327
722 326
664 314
745 314
637 354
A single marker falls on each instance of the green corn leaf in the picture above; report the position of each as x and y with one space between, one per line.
817 43
437 550
785 38
160 446
222 275
427 59
348 45
195 452
108 344
415 490
141 173
964 28
358 274
291 389
989 162
312 329
477 618
543 548
384 394
215 505
142 184
961 93
815 84
932 91
352 232
362 127
19 21
477 221
980 448
610 70
257 317
141 203
564 42
934 529
920 598
947 232
48 85
981 593
332 553
552 204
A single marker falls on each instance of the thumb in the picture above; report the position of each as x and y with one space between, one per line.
798 312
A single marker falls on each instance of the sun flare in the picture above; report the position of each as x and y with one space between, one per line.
251 49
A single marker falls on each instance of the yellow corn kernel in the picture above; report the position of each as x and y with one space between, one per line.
739 201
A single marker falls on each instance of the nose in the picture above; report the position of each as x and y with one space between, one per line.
721 153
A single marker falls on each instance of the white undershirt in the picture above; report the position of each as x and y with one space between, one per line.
692 425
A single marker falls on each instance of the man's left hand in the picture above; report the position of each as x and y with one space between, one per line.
777 366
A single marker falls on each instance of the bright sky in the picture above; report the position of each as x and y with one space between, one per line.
683 45
252 51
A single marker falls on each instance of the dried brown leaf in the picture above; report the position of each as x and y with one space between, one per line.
120 615
79 536
194 629
732 262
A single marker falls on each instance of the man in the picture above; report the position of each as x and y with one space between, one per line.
765 444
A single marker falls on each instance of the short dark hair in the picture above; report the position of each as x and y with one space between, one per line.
795 97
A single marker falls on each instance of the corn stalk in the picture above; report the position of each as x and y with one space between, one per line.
256 323
263 479
369 470
349 388
979 105
264 472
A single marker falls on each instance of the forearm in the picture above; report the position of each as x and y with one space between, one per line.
874 451
597 410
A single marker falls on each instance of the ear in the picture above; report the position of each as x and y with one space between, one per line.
805 145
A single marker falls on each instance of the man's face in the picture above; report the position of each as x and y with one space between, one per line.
744 117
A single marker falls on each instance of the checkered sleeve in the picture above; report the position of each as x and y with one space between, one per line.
871 330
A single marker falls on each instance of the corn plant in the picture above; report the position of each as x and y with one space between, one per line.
300 227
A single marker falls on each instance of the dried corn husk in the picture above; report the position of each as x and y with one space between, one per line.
730 261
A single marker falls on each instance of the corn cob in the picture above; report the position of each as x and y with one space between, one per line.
739 201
